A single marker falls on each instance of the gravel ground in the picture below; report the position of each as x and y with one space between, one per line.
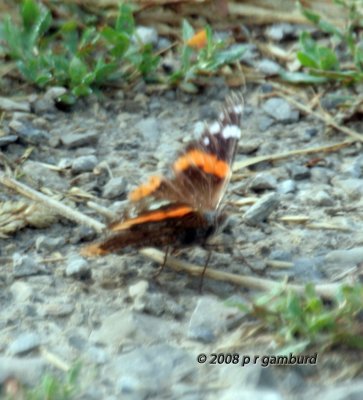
137 336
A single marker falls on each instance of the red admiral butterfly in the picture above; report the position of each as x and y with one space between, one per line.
191 196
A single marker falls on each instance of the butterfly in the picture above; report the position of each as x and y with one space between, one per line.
184 208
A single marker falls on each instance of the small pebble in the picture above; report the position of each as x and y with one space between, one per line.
260 211
115 187
84 164
45 243
21 291
280 31
287 186
24 265
145 35
7 104
263 181
268 67
346 257
320 198
298 172
27 134
72 140
209 319
24 343
150 130
58 309
78 268
28 371
280 110
7 139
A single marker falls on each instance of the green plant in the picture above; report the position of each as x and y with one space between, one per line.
346 44
306 320
205 60
75 55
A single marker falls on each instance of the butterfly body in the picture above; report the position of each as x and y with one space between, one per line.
191 195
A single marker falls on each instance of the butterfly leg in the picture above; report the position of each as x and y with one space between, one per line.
162 266
204 269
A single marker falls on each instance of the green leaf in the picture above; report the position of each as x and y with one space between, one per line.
120 41
12 38
77 71
125 20
103 71
187 30
328 61
29 13
81 90
306 60
70 36
301 77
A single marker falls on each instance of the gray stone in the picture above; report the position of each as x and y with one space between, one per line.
138 289
65 163
287 186
125 327
263 181
21 291
45 243
209 319
268 67
24 343
280 110
298 172
260 211
150 130
98 355
250 54
84 164
249 146
78 267
145 35
58 309
265 122
72 140
7 139
320 198
308 269
278 32
44 176
152 371
349 257
357 167
7 104
27 134
352 187
28 371
46 103
281 255
321 175
115 187
343 391
24 265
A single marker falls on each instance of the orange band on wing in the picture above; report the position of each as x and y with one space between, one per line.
152 216
146 189
209 163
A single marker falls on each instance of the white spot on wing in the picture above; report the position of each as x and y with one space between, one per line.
231 131
206 141
215 128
